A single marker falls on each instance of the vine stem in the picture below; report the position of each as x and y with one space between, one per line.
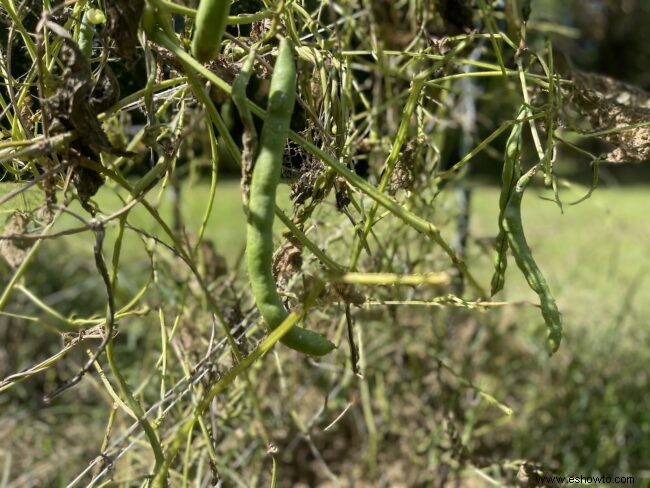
409 218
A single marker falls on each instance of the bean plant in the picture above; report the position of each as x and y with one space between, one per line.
349 128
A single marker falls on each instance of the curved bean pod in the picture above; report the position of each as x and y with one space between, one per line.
92 16
210 24
526 263
509 176
155 18
261 207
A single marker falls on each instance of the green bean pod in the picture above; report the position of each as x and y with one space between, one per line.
509 176
210 24
526 263
92 16
261 207
148 20
239 91
86 35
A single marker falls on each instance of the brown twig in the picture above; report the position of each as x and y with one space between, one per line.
98 228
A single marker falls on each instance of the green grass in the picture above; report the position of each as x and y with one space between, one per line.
593 255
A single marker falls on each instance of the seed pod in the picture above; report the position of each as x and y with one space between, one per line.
148 21
210 24
510 174
528 266
261 207
92 16
511 233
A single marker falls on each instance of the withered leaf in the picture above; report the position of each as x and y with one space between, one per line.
70 105
608 105
87 182
74 105
14 250
106 91
123 20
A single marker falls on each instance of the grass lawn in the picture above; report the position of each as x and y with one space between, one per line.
593 255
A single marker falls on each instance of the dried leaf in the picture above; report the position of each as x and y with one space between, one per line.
609 105
123 21
74 105
70 105
403 176
287 261
14 250
106 91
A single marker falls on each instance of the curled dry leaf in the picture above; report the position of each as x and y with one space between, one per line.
227 71
304 171
287 261
403 176
342 193
106 91
14 250
302 187
123 21
70 105
74 105
610 105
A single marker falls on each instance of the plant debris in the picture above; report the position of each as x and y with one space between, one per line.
612 106
403 175
14 249
74 105
287 261
123 21
70 107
